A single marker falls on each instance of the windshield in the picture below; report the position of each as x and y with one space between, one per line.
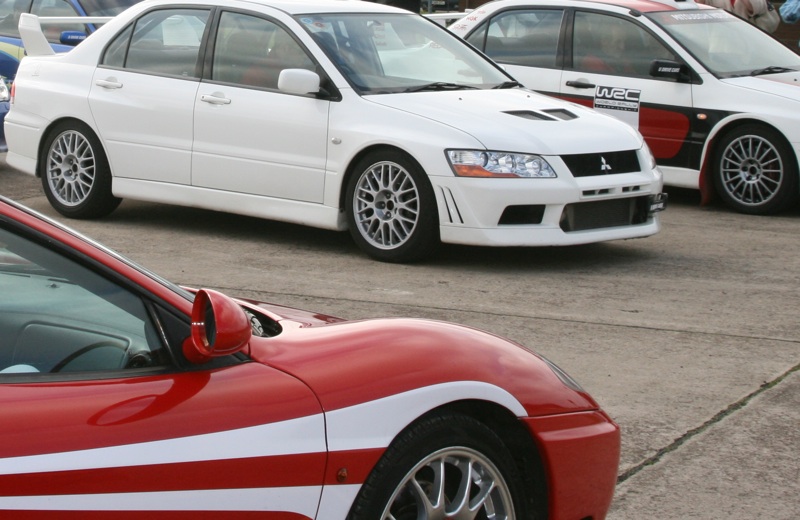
387 53
726 45
106 7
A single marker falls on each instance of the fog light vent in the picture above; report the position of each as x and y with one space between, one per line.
516 215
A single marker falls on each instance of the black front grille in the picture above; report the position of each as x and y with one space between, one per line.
608 163
598 214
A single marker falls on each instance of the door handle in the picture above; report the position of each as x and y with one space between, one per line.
215 99
581 83
110 83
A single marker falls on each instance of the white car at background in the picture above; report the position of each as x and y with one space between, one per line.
716 98
339 115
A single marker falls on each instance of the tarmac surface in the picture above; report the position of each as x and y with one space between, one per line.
689 339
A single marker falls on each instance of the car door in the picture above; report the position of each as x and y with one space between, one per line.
607 66
249 137
143 91
100 417
526 43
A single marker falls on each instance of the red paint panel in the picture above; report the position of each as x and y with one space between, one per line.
256 472
581 453
664 130
95 414
379 358
357 465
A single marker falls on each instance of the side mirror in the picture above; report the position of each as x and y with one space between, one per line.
72 38
219 327
669 69
298 81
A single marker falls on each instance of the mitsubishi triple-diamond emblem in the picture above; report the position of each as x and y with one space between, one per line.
604 166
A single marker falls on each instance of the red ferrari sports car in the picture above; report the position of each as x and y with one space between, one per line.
125 396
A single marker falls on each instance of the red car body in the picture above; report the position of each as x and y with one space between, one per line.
289 427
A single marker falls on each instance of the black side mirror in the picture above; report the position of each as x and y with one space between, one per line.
670 69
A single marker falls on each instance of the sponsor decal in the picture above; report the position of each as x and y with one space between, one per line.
620 102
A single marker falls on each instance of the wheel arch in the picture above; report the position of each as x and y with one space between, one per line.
350 170
53 124
514 435
713 143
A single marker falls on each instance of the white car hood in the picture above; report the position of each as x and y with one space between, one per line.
516 120
786 85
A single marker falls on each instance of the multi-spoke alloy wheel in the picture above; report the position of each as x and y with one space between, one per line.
451 466
386 205
755 172
456 483
75 174
71 168
390 208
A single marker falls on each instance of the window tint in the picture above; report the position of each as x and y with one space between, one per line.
9 16
56 8
527 37
611 45
58 316
162 42
253 51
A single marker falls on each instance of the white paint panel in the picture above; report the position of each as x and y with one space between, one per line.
376 423
303 435
301 500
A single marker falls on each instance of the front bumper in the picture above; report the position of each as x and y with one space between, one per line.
548 212
580 452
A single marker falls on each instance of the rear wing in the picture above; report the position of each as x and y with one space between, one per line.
33 38
445 19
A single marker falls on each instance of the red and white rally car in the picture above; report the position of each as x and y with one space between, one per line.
124 396
716 98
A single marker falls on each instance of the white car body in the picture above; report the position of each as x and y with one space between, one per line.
169 139
684 120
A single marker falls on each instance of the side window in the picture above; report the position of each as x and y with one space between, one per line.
9 16
56 8
161 42
57 316
611 45
528 38
253 51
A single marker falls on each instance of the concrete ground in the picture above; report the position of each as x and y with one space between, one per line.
690 339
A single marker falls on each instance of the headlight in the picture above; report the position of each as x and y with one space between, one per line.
3 90
563 376
649 154
476 163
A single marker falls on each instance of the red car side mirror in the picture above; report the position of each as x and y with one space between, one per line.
219 327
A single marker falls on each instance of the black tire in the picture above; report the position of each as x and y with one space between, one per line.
75 174
402 485
755 170
391 209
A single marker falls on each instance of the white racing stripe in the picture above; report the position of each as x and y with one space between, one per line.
300 500
374 424
296 436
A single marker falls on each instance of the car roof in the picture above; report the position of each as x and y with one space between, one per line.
643 6
295 7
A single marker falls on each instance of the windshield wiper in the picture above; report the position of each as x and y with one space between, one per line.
772 69
508 84
440 85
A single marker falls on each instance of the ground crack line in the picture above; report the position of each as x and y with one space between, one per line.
694 432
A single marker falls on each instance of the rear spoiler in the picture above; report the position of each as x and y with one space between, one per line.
33 38
445 19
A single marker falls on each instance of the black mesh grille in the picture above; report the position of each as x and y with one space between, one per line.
604 214
608 163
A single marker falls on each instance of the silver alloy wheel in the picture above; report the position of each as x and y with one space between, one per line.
452 483
386 205
71 168
751 170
